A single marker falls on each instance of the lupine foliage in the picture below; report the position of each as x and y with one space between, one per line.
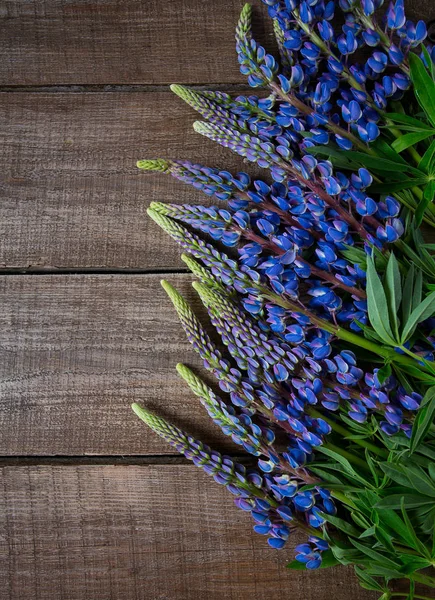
325 298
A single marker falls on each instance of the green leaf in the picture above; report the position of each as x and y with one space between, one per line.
428 196
418 262
411 139
407 120
342 525
391 188
369 460
418 290
423 311
338 158
423 420
418 479
376 163
416 544
380 571
391 520
366 581
344 463
426 451
368 332
385 539
328 560
374 555
429 61
427 522
348 556
377 305
393 290
413 563
424 86
408 288
395 472
326 476
427 163
368 532
394 502
386 151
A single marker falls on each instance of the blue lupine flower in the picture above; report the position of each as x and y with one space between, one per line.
396 15
289 238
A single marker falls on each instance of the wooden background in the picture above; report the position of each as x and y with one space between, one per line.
93 506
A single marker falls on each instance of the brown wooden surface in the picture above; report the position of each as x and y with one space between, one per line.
71 193
82 97
76 351
119 42
141 533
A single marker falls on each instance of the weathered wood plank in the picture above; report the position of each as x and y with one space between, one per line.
76 351
71 193
48 42
141 533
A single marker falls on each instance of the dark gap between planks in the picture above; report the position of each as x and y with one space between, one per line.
130 460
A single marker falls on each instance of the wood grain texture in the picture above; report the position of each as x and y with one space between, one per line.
46 42
76 351
141 533
71 193
49 42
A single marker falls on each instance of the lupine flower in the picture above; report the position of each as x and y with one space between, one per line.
326 366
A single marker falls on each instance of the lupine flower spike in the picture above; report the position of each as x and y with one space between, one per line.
320 284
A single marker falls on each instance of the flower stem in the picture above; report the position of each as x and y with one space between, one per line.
344 334
348 455
345 433
416 596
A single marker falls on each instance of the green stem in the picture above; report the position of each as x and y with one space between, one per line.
345 433
429 367
341 333
348 455
416 596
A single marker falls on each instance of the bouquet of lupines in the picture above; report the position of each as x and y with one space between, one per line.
325 299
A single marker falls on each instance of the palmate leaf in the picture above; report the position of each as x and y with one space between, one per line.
377 305
424 86
398 528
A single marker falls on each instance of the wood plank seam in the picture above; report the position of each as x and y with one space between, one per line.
229 88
